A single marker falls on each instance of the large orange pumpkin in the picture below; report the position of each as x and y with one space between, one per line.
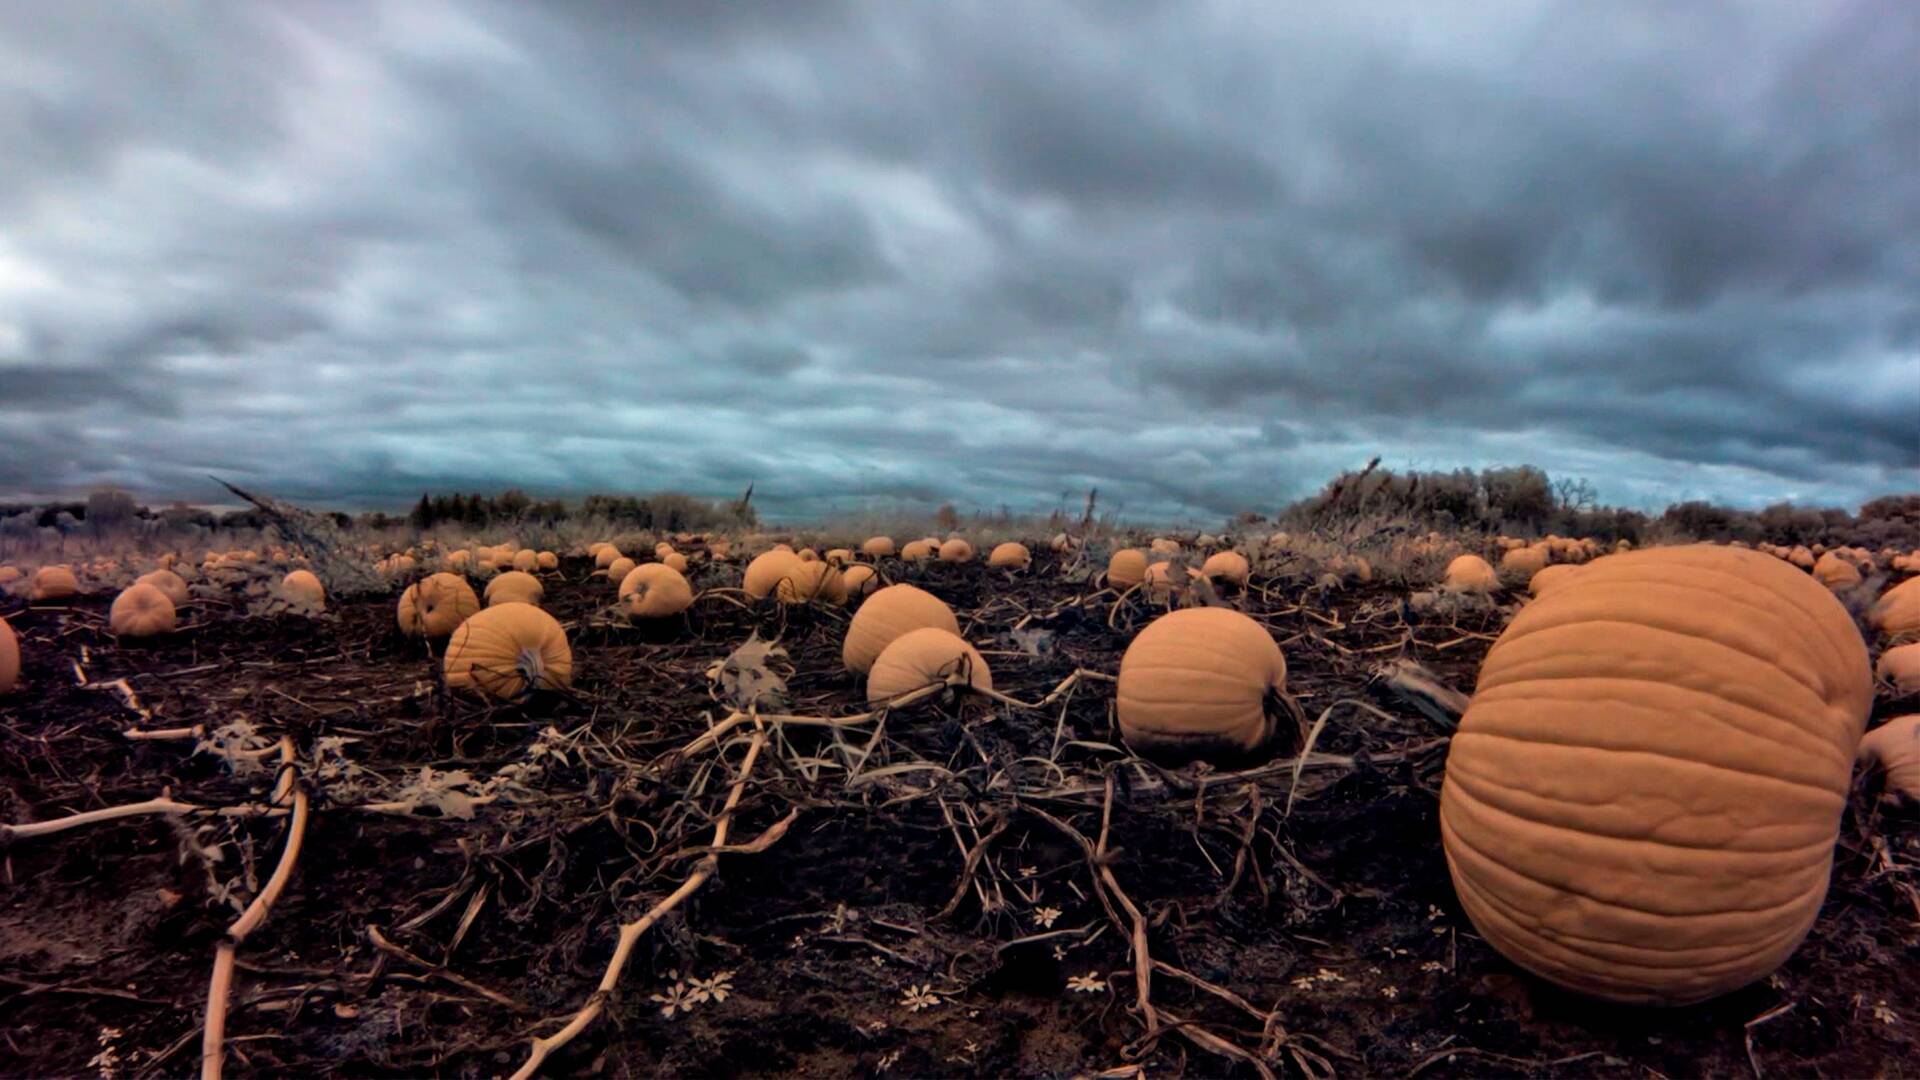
434 606
9 657
923 656
654 591
806 582
304 587
1470 573
1897 613
767 570
859 580
1892 748
887 614
515 586
1227 566
508 650
1836 572
141 611
53 583
1127 568
1010 556
526 560
1199 683
1643 797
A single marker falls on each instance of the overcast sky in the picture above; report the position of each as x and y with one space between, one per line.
1199 255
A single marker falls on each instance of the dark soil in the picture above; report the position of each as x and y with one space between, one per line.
1324 938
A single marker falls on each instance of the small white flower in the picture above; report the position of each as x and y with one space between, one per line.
888 1059
676 999
1433 965
920 997
1885 1015
1046 916
1090 983
1390 992
716 988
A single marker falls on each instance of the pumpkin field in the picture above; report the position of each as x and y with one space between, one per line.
1103 803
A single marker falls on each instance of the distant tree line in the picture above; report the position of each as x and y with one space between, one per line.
671 511
1523 500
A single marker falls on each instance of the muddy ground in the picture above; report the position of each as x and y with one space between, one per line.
1320 938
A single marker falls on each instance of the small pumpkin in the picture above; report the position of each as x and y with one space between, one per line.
920 657
459 560
507 651
806 582
1525 561
1897 613
919 550
654 591
546 560
1163 583
1801 557
840 557
1200 683
53 583
1470 574
807 554
9 657
167 582
141 611
1642 799
660 551
434 606
956 550
515 587
526 560
878 547
675 561
859 580
617 570
886 615
1835 571
1892 748
605 556
1009 556
398 566
1227 566
303 587
1899 667
1127 568
767 571
1163 546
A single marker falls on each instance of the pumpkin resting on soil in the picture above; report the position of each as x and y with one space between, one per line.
923 656
167 582
1010 555
1894 749
515 586
53 583
1127 568
141 611
878 547
1226 566
9 657
1897 613
886 615
654 591
303 586
1900 668
505 651
806 582
1644 794
1200 683
767 570
1470 573
434 606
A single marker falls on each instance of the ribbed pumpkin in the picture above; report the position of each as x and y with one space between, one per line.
302 586
9 657
459 560
617 570
506 651
660 551
526 560
956 550
878 547
1892 748
1010 556
1470 573
1643 797
887 614
1897 613
1525 561
766 571
675 562
435 606
806 582
1835 572
859 580
1551 577
605 556
515 586
167 582
141 611
1163 583
919 550
654 591
1200 683
1227 566
546 560
53 583
1127 568
923 656
1899 667
1801 557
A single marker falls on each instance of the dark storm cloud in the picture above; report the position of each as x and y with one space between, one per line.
1198 256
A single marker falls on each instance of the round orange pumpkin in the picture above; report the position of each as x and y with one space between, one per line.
433 607
919 550
1643 797
920 657
526 560
546 560
1892 748
1009 556
141 611
1470 573
1163 546
1525 561
859 580
1198 684
304 587
515 586
506 651
605 556
809 581
1899 667
886 615
654 591
53 583
1227 566
1127 568
1836 572
675 562
767 570
167 582
1897 613
878 547
956 550
9 657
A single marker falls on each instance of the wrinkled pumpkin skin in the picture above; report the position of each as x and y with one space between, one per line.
506 650
1196 684
515 586
920 657
888 614
435 606
141 611
654 591
1642 800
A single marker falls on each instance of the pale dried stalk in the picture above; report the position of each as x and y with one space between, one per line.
213 1038
630 933
9 833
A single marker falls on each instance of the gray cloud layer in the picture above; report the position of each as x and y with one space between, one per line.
1198 255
